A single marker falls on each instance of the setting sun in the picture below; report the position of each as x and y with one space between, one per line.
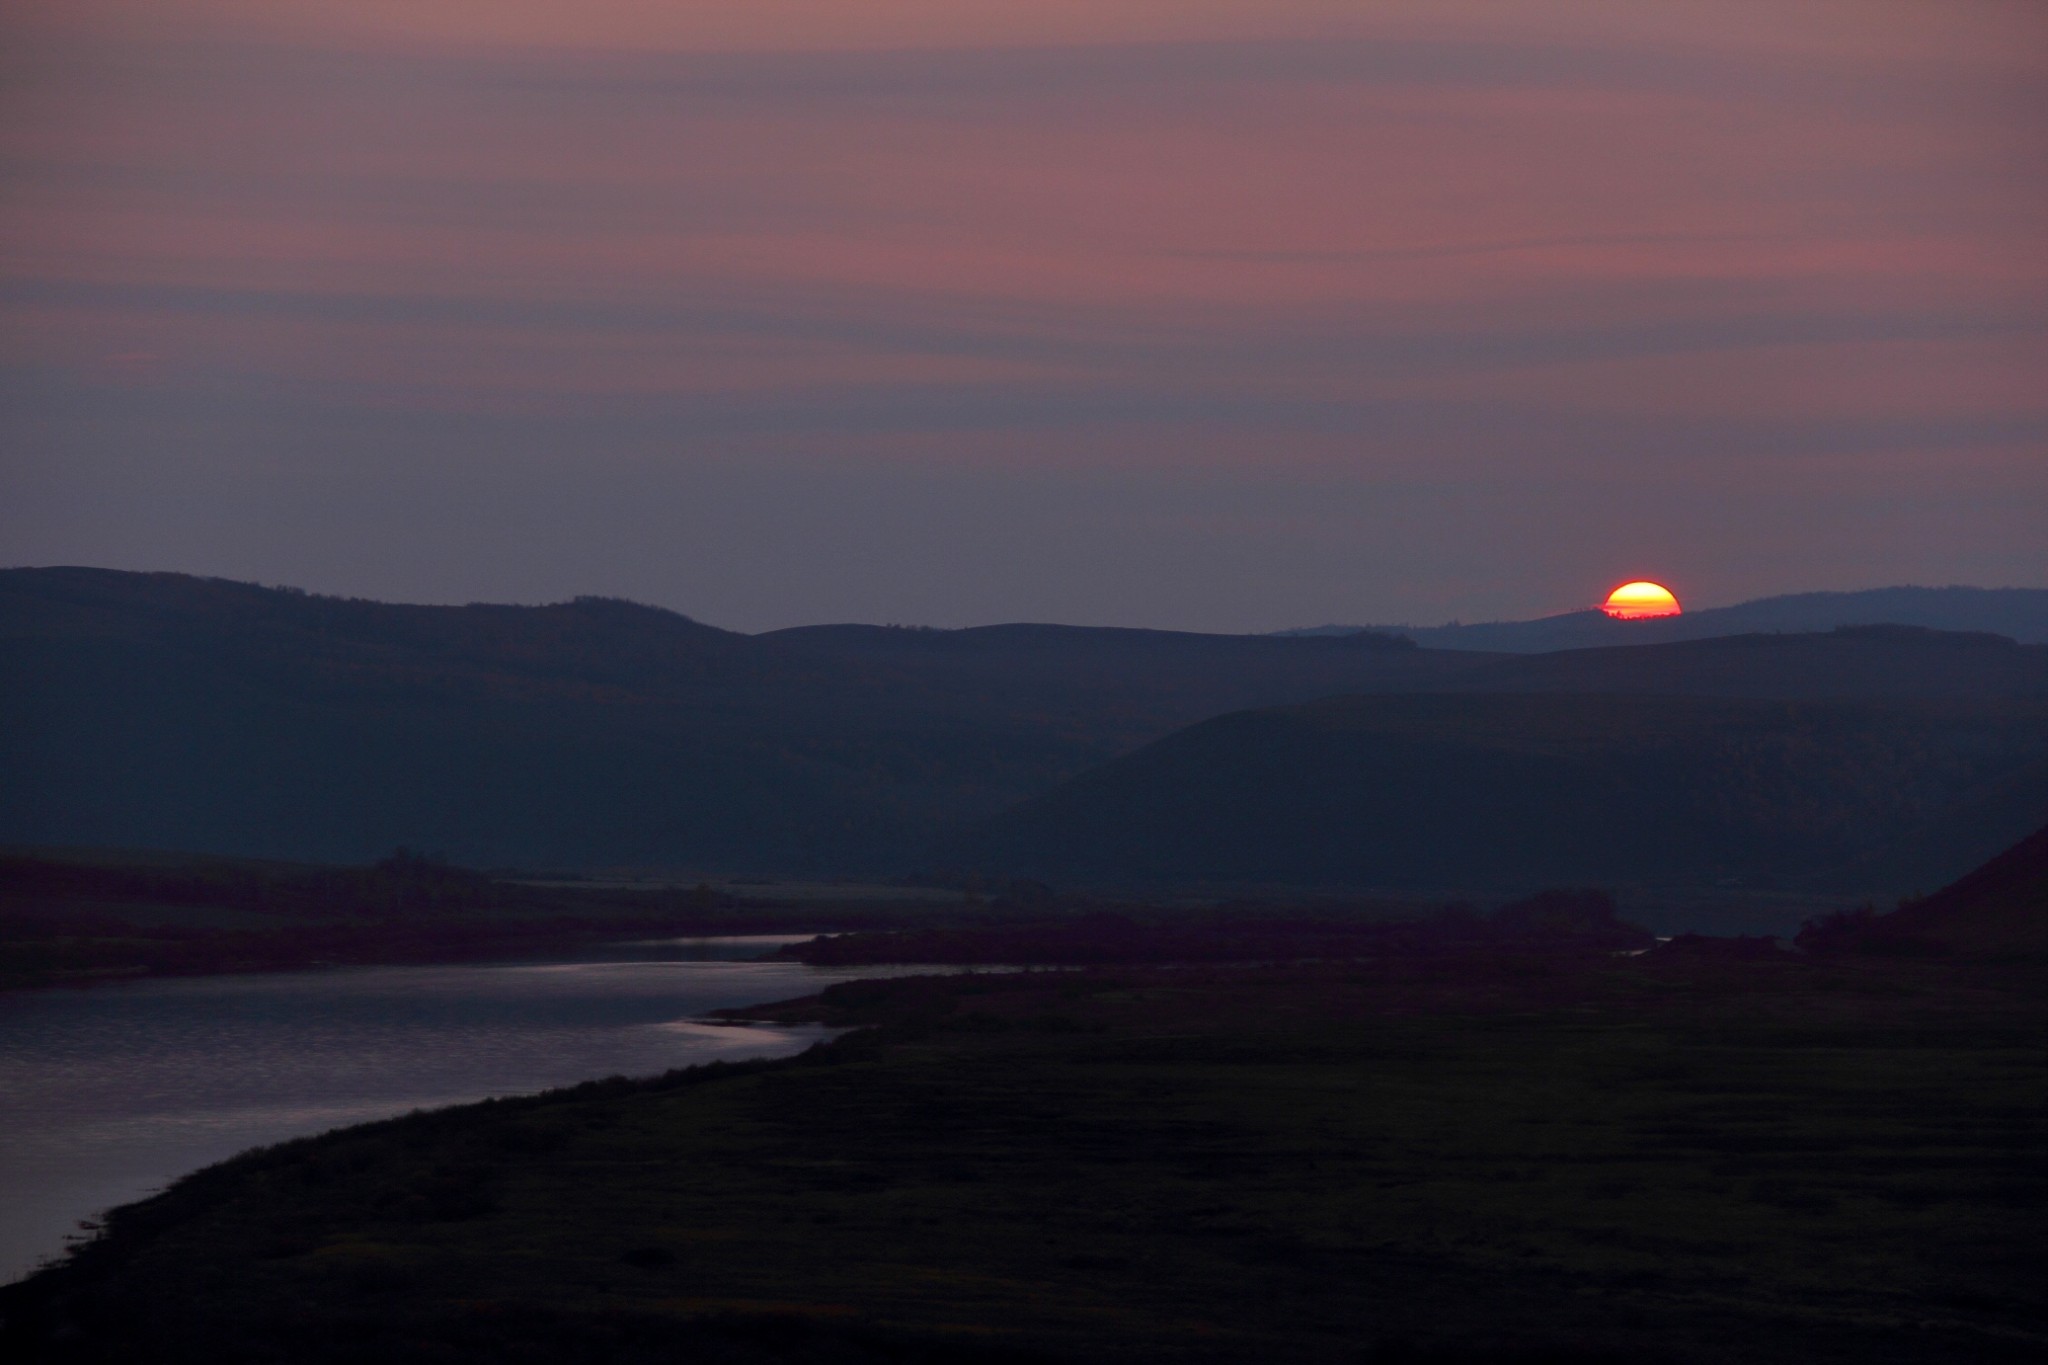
1635 601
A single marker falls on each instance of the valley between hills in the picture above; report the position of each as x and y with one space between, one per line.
1329 998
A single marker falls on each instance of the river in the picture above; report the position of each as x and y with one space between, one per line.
111 1092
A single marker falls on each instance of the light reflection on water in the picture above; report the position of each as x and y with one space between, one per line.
111 1092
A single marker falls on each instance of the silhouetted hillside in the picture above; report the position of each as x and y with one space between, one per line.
1483 791
2021 613
1999 909
158 710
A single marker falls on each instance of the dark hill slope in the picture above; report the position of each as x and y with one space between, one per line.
158 710
1997 910
1506 791
2001 907
168 711
1129 676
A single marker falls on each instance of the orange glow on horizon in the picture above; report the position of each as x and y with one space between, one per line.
1639 600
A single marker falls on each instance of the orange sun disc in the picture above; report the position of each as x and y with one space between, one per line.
1635 601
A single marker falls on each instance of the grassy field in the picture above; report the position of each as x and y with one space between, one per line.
1510 1160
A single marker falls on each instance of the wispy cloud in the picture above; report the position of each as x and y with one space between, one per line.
1075 237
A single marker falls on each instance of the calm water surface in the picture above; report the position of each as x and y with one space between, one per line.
109 1093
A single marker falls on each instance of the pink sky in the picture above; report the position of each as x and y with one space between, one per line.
1218 316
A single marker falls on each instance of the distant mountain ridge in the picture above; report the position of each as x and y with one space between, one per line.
166 711
2019 613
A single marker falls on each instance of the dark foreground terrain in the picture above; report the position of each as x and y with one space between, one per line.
1713 1151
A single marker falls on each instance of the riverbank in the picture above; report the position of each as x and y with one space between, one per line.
82 917
109 1094
1498 1157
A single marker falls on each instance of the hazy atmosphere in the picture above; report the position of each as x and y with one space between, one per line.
1224 316
1023 682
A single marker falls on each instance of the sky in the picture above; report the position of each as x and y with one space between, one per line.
1230 315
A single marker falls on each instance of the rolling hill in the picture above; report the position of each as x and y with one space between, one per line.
158 710
1502 791
2001 907
1999 910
